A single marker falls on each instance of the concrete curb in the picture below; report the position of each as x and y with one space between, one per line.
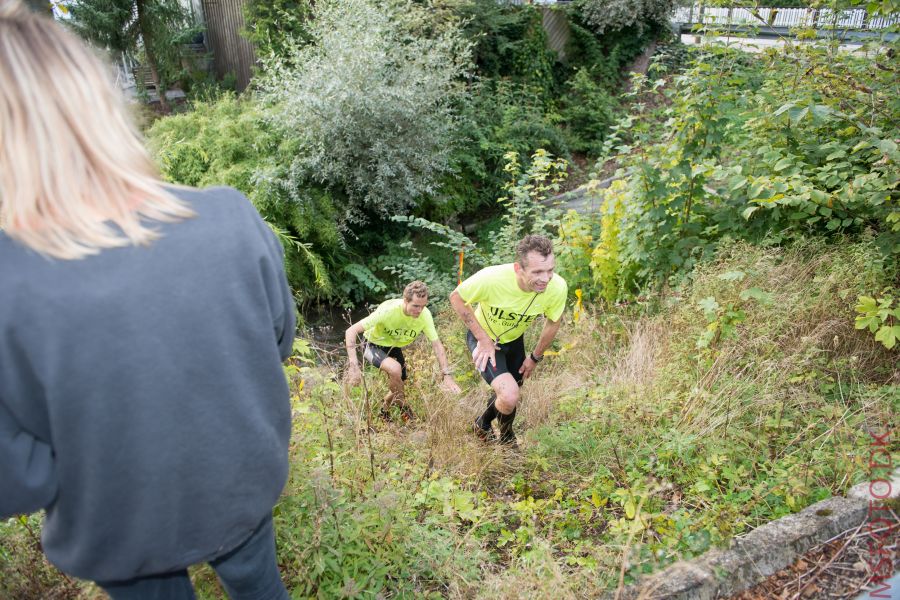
759 554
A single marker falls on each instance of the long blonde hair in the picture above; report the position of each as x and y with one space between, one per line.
72 163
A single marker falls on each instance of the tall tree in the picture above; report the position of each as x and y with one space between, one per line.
152 27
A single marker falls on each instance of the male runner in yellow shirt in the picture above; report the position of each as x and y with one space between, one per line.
510 297
394 325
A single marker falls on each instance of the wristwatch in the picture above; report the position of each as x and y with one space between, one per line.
536 359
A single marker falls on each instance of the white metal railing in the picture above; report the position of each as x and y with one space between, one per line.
823 18
123 71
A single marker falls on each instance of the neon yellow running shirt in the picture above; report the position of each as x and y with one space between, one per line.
504 310
389 326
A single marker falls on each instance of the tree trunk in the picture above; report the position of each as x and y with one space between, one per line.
144 26
40 6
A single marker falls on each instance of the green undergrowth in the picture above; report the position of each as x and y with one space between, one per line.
658 430
644 440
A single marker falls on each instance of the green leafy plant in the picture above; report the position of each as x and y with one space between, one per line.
879 317
362 283
605 15
605 263
588 109
228 141
496 117
525 210
275 27
742 156
722 320
508 42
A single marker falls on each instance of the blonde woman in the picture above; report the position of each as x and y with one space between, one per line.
142 330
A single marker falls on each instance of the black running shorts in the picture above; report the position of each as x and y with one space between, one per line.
510 358
375 354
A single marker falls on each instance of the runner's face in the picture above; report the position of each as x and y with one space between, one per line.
414 307
535 275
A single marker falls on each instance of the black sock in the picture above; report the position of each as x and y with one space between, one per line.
506 422
489 414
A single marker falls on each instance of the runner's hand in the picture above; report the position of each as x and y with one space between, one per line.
527 367
353 375
450 385
484 353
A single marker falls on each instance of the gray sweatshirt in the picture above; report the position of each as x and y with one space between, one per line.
142 398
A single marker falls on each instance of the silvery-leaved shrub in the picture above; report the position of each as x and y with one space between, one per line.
612 15
367 104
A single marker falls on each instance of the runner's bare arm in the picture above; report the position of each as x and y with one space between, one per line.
350 342
486 350
447 381
548 332
467 315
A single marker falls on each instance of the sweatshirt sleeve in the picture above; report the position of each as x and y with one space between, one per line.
27 469
278 291
285 324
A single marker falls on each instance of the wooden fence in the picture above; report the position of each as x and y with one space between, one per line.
231 51
556 24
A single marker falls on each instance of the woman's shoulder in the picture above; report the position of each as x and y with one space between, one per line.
216 197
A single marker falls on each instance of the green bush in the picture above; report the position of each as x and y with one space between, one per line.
367 106
337 544
771 150
587 110
275 26
612 15
508 41
605 55
523 98
497 117
229 142
525 210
